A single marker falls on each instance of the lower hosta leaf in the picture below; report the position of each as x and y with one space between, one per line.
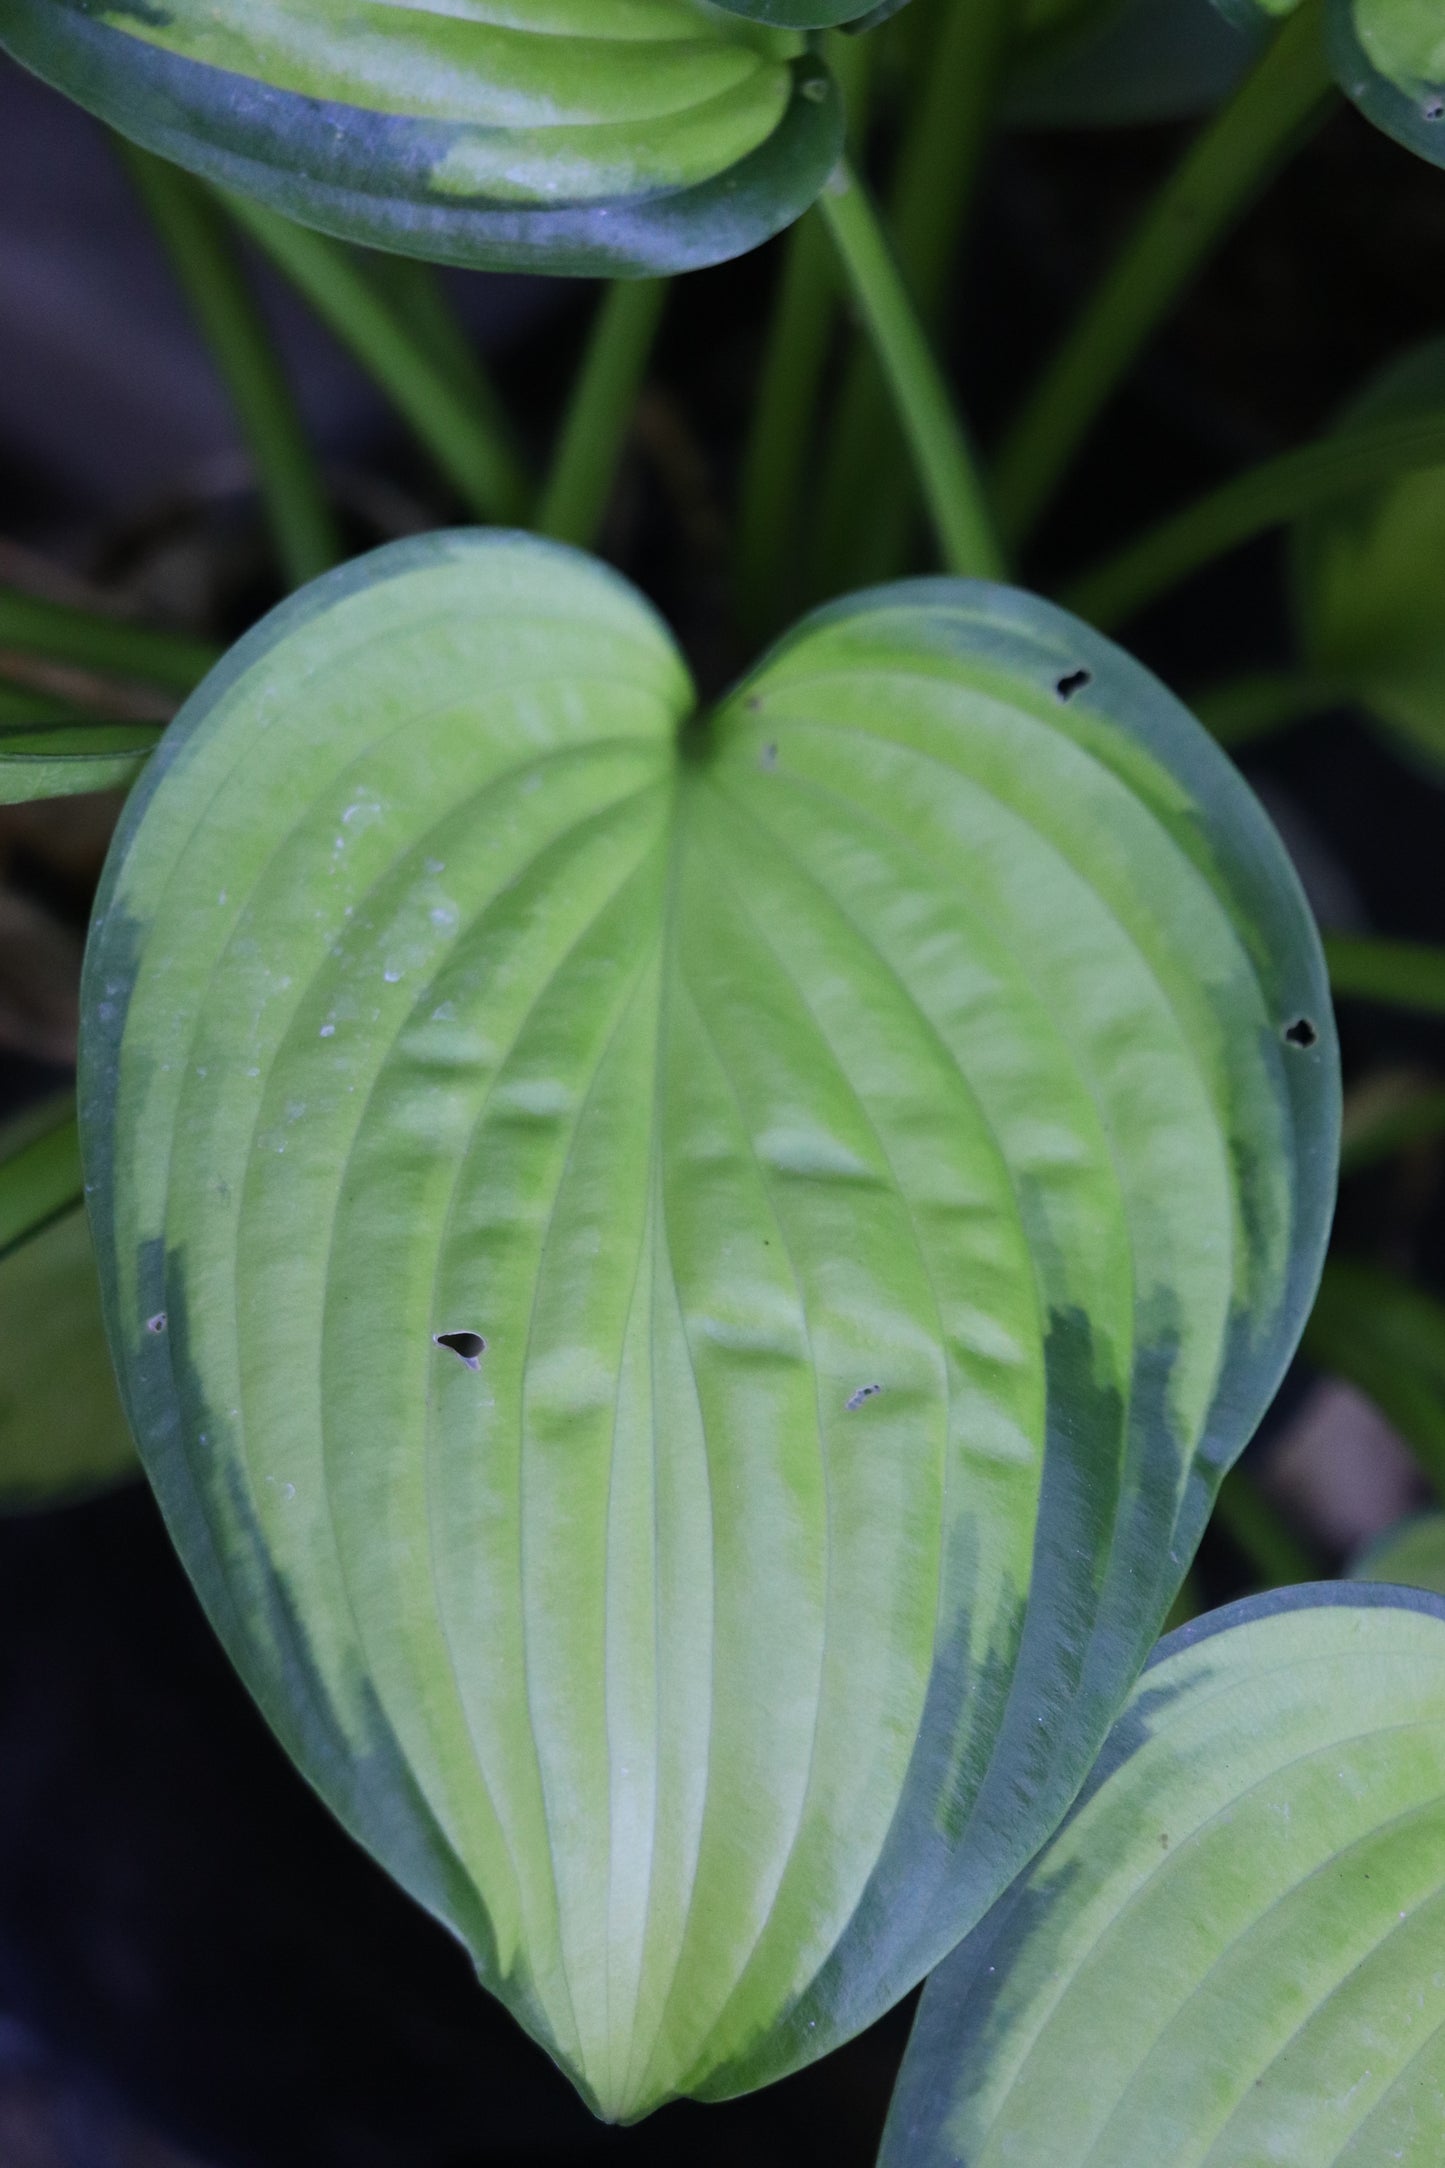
628 136
1368 572
1231 1953
1390 58
686 1281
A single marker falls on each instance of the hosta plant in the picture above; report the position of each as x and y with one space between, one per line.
687 1266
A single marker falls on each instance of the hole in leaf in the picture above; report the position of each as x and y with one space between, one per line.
1073 681
156 1323
1301 1033
470 1346
864 1392
1434 109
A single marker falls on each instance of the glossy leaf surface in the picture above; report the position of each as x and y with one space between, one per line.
1409 1556
1368 571
62 1434
1230 1954
623 136
686 1282
1389 56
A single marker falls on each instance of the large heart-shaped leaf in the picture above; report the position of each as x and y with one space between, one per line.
626 136
1389 56
1230 1954
1370 570
686 1283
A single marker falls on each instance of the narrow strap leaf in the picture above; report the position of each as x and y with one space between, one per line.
1287 94
1402 974
1251 707
594 428
935 436
331 276
59 758
199 247
1258 1532
1388 1114
866 495
40 1182
31 625
1267 496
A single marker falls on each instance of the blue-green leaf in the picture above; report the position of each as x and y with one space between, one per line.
686 1280
625 136
1230 1955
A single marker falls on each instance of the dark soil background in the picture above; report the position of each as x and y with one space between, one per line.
197 1970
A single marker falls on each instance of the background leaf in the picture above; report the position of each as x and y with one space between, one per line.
1127 62
62 1434
1367 569
54 757
625 136
1411 1555
687 1284
1231 1951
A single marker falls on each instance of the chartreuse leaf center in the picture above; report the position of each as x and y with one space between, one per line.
711 1266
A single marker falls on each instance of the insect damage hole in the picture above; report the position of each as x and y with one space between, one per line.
1301 1033
470 1346
156 1323
1072 681
864 1392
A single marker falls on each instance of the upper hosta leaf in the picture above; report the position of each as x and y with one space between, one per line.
1230 1954
1389 56
1370 572
627 136
686 1287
